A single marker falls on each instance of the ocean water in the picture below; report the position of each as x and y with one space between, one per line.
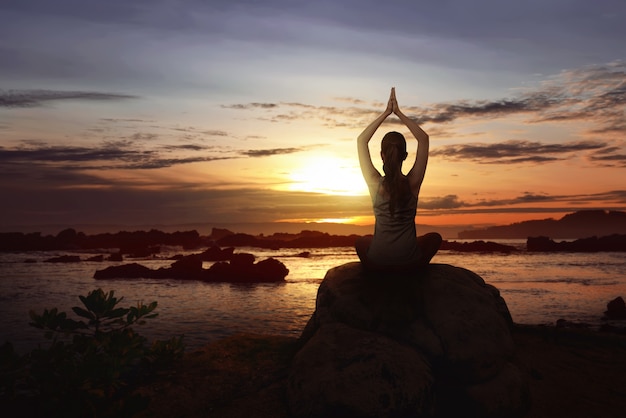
539 288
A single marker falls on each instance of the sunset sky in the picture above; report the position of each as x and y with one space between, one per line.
171 112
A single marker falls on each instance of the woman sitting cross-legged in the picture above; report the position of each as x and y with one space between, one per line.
394 246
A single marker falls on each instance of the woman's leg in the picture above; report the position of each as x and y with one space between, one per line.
429 245
361 245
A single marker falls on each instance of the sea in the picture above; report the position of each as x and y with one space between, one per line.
539 288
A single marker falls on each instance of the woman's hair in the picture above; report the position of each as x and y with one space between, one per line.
393 150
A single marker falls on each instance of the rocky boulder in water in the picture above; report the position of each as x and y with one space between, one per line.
240 269
616 309
430 344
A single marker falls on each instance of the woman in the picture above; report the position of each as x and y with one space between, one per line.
394 246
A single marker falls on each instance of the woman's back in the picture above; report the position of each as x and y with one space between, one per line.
394 240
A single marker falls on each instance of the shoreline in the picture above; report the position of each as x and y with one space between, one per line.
571 372
137 244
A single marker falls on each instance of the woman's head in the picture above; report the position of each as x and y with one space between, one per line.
393 152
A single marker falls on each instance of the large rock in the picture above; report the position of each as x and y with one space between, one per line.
347 372
433 343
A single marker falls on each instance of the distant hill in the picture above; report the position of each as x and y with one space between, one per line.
581 224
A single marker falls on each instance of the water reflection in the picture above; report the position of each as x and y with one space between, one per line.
538 288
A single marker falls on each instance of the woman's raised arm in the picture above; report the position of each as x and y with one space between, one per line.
417 172
370 174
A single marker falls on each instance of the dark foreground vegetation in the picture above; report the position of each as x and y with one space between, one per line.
91 367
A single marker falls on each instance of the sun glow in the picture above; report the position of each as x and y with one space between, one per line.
328 175
353 220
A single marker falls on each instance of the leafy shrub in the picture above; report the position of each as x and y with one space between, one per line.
92 365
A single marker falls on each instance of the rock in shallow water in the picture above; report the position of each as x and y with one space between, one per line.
433 343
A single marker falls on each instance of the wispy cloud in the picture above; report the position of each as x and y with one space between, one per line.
270 152
31 98
110 156
191 129
453 201
251 106
139 136
595 94
118 120
442 202
186 147
513 152
527 202
609 157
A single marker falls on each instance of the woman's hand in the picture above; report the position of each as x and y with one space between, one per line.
391 103
395 106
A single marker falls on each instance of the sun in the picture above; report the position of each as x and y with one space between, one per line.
328 175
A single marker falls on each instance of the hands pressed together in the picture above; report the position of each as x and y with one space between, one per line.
392 104
393 107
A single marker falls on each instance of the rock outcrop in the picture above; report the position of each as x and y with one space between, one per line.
616 309
614 243
436 343
64 259
477 247
240 269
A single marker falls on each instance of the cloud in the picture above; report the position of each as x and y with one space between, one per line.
350 100
61 39
513 152
71 154
187 147
155 163
138 136
452 19
615 196
329 116
525 198
453 201
593 94
445 202
448 112
528 202
247 106
609 157
215 132
110 156
117 120
138 130
31 98
191 129
271 151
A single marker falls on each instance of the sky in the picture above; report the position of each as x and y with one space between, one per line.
177 112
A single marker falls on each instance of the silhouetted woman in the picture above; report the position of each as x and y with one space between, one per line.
394 246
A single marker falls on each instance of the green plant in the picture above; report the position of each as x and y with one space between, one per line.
92 365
